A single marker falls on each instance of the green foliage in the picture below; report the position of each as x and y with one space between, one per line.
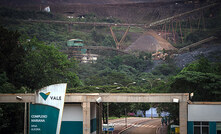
129 60
5 86
195 36
106 77
11 51
12 118
202 78
23 59
204 85
50 65
121 69
165 69
108 41
97 37
204 66
27 65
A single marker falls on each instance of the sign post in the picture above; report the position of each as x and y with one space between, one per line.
46 114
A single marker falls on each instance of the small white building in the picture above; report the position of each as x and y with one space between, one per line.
47 9
89 58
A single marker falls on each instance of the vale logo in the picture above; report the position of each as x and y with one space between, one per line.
44 95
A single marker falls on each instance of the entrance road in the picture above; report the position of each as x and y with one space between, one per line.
136 125
145 127
120 124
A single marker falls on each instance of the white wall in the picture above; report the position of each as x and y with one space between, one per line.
72 112
204 112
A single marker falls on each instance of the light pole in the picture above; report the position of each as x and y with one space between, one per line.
151 112
125 117
151 83
108 102
125 108
151 86
115 83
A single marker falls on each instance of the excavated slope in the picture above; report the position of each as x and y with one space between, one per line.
150 42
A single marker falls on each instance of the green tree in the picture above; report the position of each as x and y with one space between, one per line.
28 64
44 65
108 41
201 77
11 52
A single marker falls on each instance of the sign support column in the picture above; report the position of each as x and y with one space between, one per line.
183 117
86 117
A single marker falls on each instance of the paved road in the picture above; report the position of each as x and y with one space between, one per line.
121 124
136 125
145 127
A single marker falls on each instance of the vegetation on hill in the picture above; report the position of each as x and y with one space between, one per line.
58 34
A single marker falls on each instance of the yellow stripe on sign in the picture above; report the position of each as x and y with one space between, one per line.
47 93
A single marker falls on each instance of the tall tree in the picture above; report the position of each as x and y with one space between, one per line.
202 78
11 52
44 65
28 64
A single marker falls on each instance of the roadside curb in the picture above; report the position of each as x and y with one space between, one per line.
157 130
127 128
161 130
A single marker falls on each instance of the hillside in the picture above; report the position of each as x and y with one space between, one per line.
141 11
21 2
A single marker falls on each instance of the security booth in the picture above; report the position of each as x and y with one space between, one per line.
204 118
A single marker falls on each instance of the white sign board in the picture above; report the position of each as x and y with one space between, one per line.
54 96
204 112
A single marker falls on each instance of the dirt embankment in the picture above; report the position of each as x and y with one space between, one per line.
150 42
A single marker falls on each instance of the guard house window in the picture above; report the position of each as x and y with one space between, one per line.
201 128
218 128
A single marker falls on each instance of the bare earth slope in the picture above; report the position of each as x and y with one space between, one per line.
136 11
150 42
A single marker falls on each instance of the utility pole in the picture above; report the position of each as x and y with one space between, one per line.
107 112
125 117
151 112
